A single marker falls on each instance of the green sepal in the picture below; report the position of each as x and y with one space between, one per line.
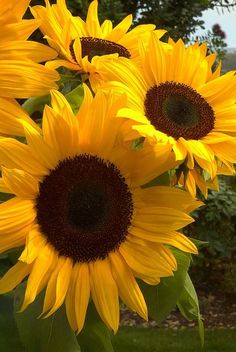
75 98
162 299
189 306
5 196
43 335
137 144
95 336
162 180
199 243
34 104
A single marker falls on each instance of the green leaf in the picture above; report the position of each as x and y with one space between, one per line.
199 243
95 336
137 144
5 196
34 104
43 335
75 98
189 306
9 337
161 299
162 180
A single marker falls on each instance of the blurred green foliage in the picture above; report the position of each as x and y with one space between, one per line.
216 224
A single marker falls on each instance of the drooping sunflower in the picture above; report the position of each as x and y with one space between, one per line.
177 98
86 225
21 74
80 44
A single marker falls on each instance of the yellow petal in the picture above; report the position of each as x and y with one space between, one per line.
39 269
34 243
92 22
143 260
15 239
70 302
167 196
158 219
32 79
62 284
57 286
105 293
39 147
10 114
129 290
82 293
14 276
16 155
20 183
16 214
34 51
175 239
118 31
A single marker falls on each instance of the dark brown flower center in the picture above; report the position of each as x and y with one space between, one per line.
97 47
84 208
179 111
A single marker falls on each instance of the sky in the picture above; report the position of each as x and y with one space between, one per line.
226 20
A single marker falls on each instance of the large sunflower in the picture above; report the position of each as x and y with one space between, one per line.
86 224
81 44
21 74
176 98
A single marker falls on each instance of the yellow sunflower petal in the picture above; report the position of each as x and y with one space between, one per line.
10 114
105 293
159 218
20 183
144 260
82 293
32 79
92 22
26 50
14 154
39 269
34 243
167 196
39 147
70 300
14 276
15 239
118 31
15 214
62 284
129 290
175 239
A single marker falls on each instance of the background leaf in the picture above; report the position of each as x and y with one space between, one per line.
9 336
95 336
75 98
189 306
43 335
161 299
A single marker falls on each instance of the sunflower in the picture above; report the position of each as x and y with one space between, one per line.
178 99
79 211
81 44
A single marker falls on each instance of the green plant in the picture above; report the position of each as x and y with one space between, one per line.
216 224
